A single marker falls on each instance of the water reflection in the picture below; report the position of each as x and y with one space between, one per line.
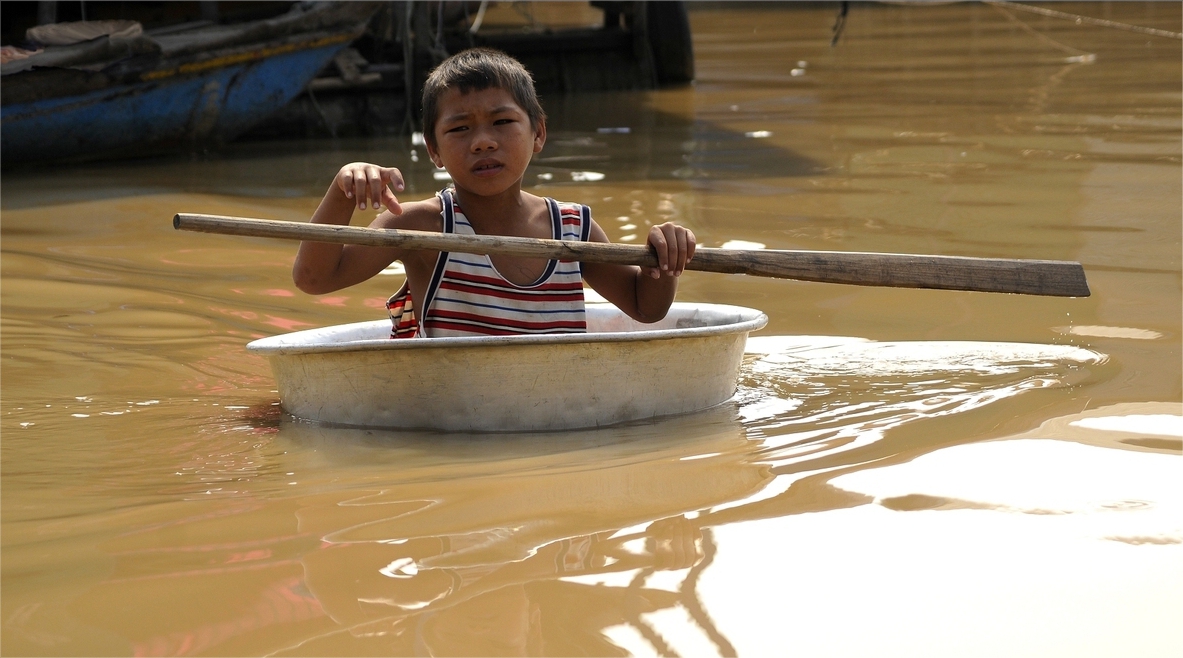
433 597
413 543
367 541
484 547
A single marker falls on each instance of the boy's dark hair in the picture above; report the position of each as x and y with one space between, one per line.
478 69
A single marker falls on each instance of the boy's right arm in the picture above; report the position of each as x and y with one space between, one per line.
322 267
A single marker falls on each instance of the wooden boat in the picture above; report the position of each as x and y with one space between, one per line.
177 88
619 371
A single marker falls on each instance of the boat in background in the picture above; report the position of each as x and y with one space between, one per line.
619 371
184 87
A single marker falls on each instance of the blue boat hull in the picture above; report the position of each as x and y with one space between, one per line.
181 111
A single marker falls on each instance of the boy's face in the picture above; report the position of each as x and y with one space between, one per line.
484 139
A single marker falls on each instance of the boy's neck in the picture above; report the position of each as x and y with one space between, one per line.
495 213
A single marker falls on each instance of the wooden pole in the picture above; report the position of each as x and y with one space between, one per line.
1031 277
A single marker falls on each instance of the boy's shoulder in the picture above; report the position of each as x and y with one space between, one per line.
545 201
425 215
542 204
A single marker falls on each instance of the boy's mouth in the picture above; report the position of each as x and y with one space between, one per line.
487 167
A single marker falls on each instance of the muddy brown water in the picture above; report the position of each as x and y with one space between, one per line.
902 472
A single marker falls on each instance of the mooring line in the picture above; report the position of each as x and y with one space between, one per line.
1078 19
1077 55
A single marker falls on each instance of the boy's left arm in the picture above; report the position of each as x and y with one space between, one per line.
643 293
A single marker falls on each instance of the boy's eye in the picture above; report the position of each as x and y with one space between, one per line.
456 129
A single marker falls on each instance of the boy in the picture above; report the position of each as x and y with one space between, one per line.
483 123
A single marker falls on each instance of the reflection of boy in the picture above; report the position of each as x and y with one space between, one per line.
504 622
492 609
483 123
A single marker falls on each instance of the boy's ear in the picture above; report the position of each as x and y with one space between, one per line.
540 136
435 157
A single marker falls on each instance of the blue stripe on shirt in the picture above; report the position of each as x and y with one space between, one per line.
456 259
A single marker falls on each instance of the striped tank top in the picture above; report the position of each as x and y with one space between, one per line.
467 296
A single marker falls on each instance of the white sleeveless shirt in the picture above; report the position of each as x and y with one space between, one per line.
467 296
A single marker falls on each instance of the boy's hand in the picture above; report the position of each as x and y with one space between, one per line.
674 246
368 183
674 543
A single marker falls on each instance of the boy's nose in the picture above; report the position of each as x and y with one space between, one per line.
483 140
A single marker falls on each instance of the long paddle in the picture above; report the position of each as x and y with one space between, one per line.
1032 277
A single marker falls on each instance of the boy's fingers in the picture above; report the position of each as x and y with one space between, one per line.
359 189
674 247
376 186
366 184
395 177
391 201
372 192
660 248
683 250
671 247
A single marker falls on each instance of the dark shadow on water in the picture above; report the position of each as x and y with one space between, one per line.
659 145
610 137
713 431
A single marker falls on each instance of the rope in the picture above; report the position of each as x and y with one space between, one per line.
1078 19
480 16
408 68
1077 55
331 126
